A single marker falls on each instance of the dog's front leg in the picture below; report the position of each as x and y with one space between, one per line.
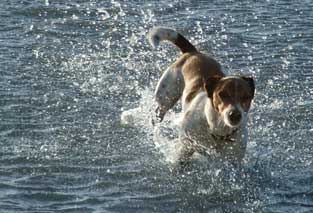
185 153
168 91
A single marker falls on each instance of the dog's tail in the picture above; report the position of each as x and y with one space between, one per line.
158 34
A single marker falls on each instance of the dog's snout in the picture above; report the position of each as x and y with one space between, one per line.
234 116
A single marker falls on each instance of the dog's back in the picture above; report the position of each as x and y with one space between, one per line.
186 76
196 69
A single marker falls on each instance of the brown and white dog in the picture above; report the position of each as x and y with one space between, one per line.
214 106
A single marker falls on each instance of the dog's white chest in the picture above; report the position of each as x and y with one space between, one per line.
214 139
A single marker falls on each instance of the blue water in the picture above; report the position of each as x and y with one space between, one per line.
70 69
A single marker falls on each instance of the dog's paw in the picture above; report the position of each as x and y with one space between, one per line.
159 114
153 121
157 117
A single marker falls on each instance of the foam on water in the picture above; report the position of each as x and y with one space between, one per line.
141 115
164 135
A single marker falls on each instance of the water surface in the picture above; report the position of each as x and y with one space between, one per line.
69 69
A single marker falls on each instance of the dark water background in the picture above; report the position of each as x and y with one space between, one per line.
70 68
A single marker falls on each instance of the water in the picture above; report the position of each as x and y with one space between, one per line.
70 69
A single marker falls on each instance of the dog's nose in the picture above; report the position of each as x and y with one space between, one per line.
234 116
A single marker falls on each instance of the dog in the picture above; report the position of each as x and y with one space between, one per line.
214 106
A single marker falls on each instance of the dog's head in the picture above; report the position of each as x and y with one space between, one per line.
231 97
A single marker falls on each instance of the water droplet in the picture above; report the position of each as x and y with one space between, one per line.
74 17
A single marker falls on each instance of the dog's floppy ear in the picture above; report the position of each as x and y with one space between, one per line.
210 84
250 82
